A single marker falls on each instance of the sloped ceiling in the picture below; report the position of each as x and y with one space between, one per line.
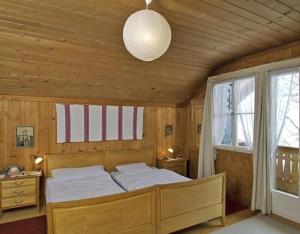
74 48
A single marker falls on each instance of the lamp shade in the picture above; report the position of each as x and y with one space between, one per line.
147 35
38 160
171 150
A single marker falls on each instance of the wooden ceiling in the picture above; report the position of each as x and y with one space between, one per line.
74 48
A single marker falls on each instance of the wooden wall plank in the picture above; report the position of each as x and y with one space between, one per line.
28 111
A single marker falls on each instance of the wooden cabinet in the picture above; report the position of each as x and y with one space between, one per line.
20 191
177 165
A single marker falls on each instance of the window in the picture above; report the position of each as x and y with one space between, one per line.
284 129
287 99
233 111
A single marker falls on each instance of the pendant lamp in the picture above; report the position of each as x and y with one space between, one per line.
147 34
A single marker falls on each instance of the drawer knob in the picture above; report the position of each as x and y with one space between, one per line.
19 201
19 192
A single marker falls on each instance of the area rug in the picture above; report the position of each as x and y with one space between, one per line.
35 225
259 224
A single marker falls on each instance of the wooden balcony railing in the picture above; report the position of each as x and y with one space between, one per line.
287 170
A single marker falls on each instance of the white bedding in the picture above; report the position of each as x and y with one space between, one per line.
144 179
69 189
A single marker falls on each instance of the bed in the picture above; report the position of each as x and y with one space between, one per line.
155 209
72 207
181 204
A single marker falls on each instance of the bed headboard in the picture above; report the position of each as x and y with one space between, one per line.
118 157
73 160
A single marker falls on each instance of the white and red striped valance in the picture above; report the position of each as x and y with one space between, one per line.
81 123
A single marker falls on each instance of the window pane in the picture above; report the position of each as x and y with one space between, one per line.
222 108
244 129
288 92
245 95
227 138
222 96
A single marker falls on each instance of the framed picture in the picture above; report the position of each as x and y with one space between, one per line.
25 136
169 130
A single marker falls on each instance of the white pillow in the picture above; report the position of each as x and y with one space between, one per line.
74 173
133 168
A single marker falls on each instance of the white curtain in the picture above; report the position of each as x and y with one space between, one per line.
206 165
220 111
281 91
261 190
213 126
271 107
245 91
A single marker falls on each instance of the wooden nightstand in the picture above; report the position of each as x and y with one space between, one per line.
20 191
177 165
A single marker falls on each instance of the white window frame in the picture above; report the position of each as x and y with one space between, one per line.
234 146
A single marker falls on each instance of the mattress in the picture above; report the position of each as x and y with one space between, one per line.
144 179
60 190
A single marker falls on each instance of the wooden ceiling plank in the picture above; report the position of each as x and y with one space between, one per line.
281 31
74 48
295 4
260 31
207 27
202 11
282 8
266 12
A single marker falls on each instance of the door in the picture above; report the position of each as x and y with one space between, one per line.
284 125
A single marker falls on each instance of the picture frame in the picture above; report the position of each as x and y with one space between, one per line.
25 136
168 130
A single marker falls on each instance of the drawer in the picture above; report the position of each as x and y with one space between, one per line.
16 192
18 183
176 164
179 170
19 201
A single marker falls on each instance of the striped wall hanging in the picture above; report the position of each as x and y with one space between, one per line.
83 123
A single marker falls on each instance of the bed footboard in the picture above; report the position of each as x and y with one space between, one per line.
189 203
126 213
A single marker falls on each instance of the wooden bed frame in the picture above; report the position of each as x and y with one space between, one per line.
157 209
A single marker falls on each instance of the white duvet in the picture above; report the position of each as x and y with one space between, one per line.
69 189
144 179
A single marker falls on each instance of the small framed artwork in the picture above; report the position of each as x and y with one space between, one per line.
25 136
168 130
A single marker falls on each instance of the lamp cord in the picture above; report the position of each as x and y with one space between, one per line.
148 2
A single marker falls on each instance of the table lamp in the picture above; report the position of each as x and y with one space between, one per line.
37 161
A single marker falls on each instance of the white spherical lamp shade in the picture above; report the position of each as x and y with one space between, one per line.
147 35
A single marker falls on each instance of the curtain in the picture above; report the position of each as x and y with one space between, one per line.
281 91
220 110
271 106
206 165
261 190
245 108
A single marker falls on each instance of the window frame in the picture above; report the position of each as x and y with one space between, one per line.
234 146
283 71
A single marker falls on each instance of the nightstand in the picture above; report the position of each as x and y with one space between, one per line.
20 191
177 165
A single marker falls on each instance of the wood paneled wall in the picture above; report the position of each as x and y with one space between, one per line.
40 113
238 167
279 53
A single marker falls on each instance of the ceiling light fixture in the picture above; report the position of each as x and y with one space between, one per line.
147 34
